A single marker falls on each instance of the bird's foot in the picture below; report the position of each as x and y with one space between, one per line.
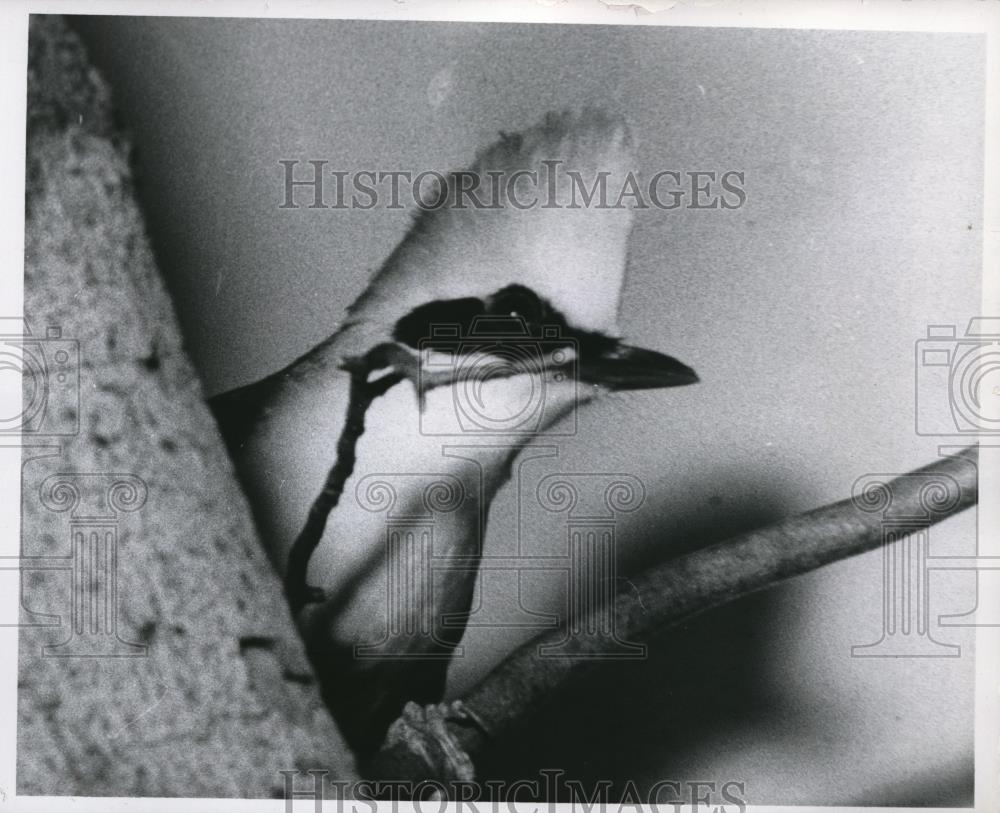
423 730
404 363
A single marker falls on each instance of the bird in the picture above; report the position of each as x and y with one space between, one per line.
489 306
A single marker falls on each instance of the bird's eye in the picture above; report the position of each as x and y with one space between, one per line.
518 302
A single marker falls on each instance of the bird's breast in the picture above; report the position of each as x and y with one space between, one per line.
405 537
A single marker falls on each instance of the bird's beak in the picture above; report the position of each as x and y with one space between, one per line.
622 367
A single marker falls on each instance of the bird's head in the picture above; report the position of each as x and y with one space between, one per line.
492 292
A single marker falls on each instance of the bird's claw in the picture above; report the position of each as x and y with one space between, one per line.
404 362
423 730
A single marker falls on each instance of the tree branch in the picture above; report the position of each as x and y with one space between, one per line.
676 590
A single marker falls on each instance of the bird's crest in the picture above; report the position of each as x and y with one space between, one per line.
568 249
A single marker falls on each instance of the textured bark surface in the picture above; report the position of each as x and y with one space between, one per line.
222 697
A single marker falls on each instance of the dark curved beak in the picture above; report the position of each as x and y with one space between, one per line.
622 367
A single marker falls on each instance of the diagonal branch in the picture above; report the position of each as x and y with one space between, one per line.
362 393
674 591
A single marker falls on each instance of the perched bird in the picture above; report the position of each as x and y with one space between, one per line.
528 299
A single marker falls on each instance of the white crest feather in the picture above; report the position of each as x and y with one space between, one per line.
574 257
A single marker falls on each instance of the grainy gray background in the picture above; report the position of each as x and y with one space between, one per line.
863 160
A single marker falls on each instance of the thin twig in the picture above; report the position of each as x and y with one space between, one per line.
674 591
404 365
362 393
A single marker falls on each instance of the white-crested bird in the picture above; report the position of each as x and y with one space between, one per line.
511 312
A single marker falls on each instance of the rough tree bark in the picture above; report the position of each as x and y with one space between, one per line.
223 698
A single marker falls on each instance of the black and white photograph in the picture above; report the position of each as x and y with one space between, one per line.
496 406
